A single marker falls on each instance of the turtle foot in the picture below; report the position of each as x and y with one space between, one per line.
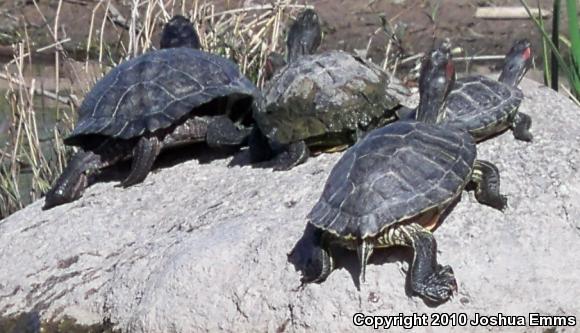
521 127
296 154
437 287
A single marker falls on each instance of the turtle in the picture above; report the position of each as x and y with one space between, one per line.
304 37
486 107
392 186
159 99
320 103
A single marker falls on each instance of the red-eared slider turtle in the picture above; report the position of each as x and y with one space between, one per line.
486 107
320 102
161 98
392 186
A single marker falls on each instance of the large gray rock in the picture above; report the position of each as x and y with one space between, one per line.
204 246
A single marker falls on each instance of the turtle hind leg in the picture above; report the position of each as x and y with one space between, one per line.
74 179
521 127
487 182
429 280
221 131
295 154
144 154
320 263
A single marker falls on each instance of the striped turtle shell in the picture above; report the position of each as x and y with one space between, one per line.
329 94
157 90
481 105
395 173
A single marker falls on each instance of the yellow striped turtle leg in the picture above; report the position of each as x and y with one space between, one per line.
429 280
521 127
144 154
486 178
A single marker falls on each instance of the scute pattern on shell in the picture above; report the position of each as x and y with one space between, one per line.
319 94
154 90
394 173
473 94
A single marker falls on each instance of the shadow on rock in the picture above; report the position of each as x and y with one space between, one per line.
31 322
303 258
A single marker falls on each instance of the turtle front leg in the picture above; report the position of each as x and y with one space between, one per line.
74 179
486 179
429 280
295 154
144 154
221 131
521 127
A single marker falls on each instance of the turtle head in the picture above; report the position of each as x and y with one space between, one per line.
179 32
274 61
517 62
436 81
304 35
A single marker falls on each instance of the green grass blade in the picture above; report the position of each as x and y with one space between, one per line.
574 83
574 32
545 56
556 40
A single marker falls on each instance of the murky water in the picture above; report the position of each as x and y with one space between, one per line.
46 115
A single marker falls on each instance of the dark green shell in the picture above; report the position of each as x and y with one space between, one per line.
482 106
395 173
157 90
332 94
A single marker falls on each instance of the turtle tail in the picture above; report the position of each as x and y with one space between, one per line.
364 251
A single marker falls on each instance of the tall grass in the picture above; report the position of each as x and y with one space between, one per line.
245 35
558 60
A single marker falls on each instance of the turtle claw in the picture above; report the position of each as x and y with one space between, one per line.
439 286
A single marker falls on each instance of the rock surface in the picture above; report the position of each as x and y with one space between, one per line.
204 246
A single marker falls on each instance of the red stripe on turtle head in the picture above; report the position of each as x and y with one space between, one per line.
527 53
449 69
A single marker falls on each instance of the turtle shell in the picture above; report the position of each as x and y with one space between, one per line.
157 90
332 93
395 173
482 106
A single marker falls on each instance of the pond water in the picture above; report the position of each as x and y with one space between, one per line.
46 115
